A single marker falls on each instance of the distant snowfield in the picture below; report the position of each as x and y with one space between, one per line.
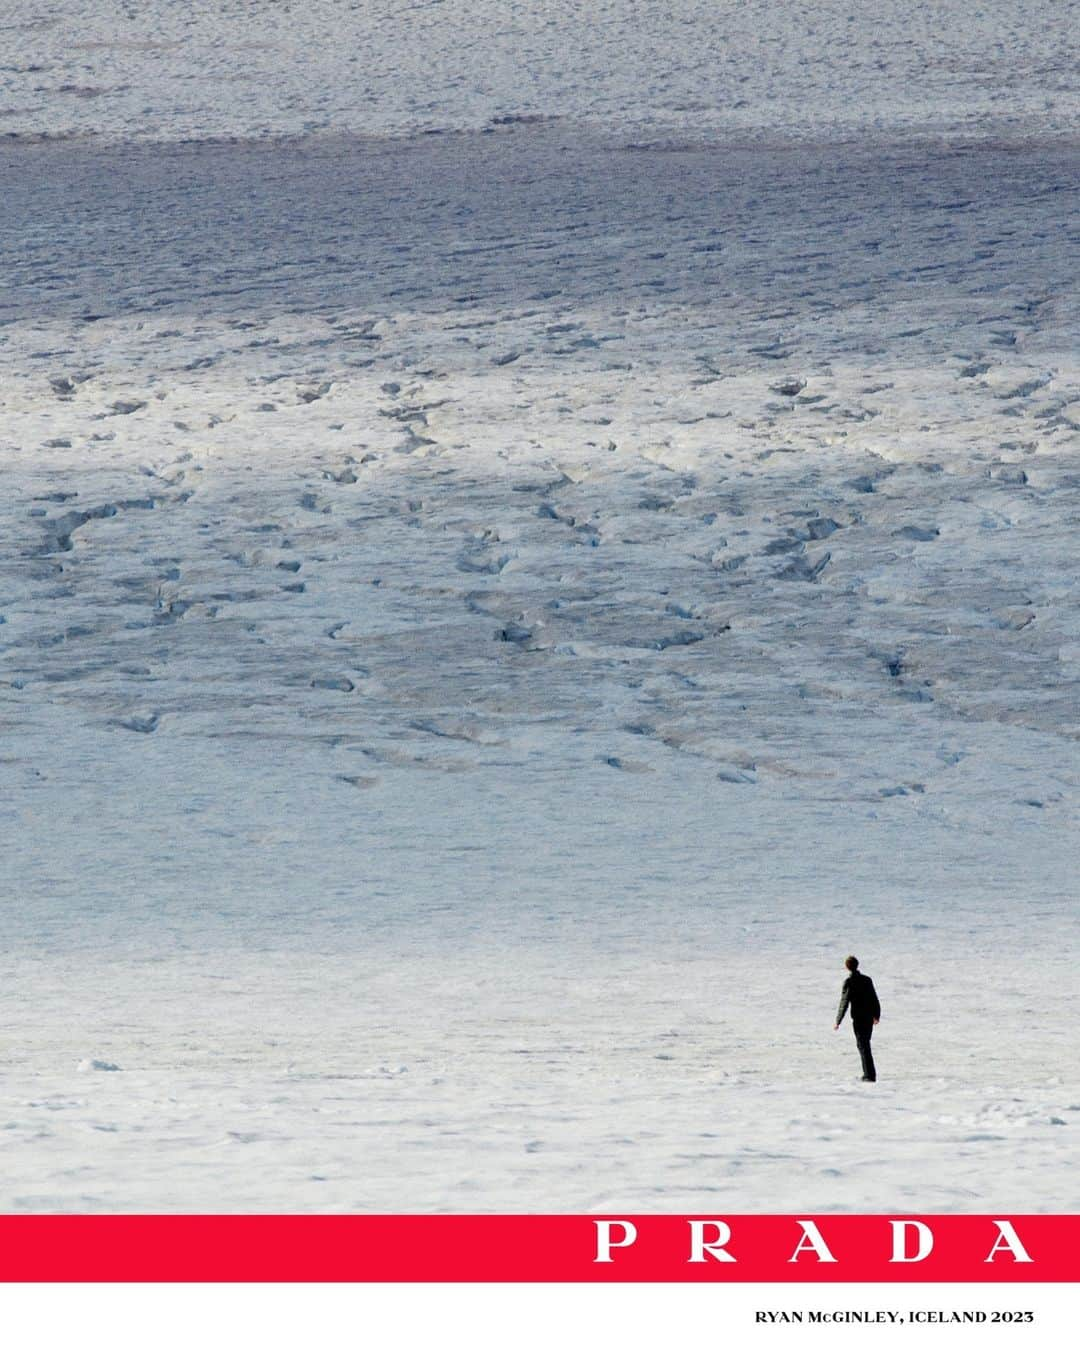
489 621
263 68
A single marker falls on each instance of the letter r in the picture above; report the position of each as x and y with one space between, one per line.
715 1246
604 1240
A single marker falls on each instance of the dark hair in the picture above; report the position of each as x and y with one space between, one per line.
852 963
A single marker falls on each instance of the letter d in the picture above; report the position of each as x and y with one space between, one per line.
924 1246
604 1243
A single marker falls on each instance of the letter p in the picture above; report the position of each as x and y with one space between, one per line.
605 1242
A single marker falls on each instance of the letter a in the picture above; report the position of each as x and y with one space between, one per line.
899 1240
604 1244
811 1241
715 1248
1007 1240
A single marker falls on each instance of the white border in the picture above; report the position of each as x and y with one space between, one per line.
512 1316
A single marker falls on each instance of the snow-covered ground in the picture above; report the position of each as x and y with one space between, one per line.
794 68
490 620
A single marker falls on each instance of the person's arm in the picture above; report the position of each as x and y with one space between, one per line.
877 1004
845 999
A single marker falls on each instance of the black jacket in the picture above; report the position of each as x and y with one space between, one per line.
858 993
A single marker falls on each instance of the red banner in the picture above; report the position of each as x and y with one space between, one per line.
544 1248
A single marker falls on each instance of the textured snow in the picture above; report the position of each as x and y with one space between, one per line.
489 621
159 70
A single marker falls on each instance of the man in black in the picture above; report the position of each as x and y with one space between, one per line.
858 993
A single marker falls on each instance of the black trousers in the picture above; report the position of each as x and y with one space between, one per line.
863 1032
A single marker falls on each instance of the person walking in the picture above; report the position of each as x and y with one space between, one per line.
859 995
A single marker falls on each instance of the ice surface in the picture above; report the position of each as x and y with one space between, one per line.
489 621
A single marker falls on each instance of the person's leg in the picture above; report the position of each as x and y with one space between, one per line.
862 1040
